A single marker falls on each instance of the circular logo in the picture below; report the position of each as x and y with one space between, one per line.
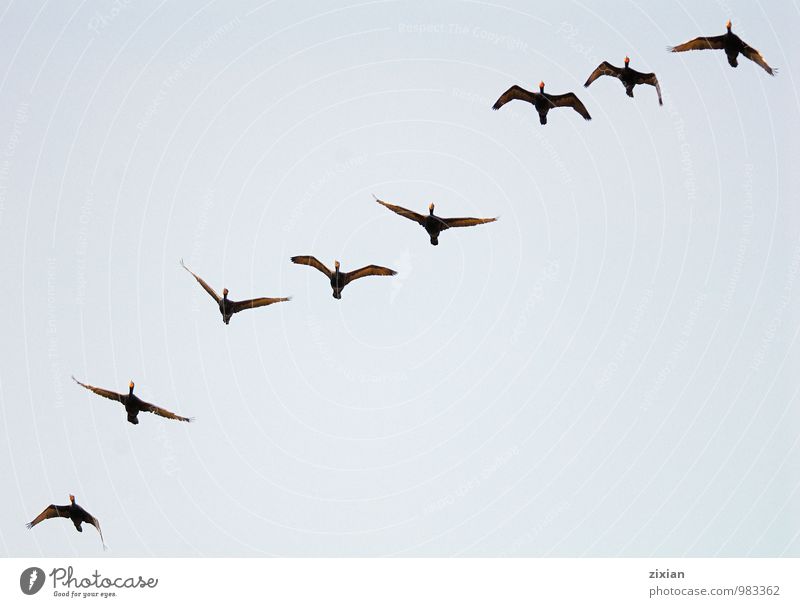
31 580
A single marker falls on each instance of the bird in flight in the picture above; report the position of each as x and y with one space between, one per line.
339 280
627 75
74 512
543 102
435 225
228 307
132 403
730 43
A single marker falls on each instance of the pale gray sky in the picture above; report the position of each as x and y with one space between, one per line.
609 370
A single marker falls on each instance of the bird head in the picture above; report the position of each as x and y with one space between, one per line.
627 60
335 264
430 208
541 86
130 386
225 292
728 25
71 499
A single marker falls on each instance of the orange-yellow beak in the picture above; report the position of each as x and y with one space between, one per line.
728 24
130 385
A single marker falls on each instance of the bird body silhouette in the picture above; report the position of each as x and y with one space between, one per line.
132 403
74 512
339 280
627 75
731 44
228 307
435 225
543 102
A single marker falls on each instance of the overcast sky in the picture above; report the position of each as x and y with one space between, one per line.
608 370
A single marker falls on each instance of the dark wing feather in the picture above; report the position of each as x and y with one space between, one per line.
698 44
753 55
162 412
515 92
238 306
203 284
101 391
570 100
604 69
52 511
88 518
463 222
371 270
652 80
308 260
420 219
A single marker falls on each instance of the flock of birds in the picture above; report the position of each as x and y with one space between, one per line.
434 226
544 102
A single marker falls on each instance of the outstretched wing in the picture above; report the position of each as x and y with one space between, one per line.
308 260
52 511
753 55
101 391
604 69
420 219
203 283
698 44
463 222
367 271
570 100
163 412
515 92
652 80
88 518
257 303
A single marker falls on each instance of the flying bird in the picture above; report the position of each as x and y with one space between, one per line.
228 307
435 225
132 403
627 75
339 280
730 43
543 102
74 512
